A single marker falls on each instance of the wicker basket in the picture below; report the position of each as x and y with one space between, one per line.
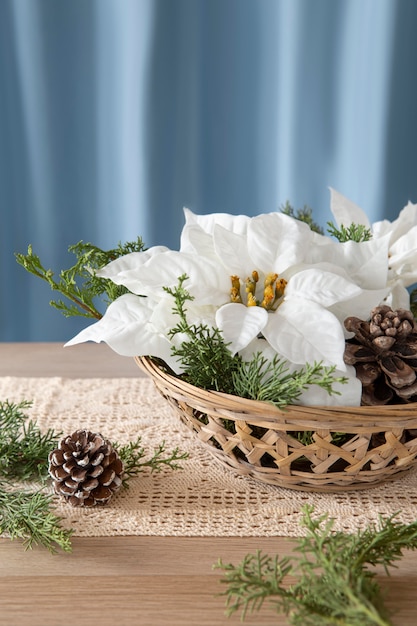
259 440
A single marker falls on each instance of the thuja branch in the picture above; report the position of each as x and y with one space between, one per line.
205 357
271 381
24 453
334 584
28 516
24 448
303 215
133 455
354 232
79 284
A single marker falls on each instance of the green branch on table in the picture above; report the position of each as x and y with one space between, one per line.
24 451
24 448
334 583
28 516
133 453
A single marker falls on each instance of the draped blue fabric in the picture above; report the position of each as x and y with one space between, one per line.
115 114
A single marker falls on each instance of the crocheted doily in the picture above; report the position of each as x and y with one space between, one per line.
201 499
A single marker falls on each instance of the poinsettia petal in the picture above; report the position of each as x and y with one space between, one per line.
208 282
240 324
128 262
195 240
277 241
403 257
405 221
345 211
304 332
234 223
320 286
259 345
126 328
366 262
399 297
360 306
370 266
232 249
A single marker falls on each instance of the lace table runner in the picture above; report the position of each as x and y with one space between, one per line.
203 498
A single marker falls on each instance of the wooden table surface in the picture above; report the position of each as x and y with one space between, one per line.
136 581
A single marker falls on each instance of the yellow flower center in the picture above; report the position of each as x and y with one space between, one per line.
272 293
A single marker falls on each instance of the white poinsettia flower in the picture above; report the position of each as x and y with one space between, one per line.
298 322
400 233
300 329
265 282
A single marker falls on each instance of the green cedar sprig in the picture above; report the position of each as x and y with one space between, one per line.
303 215
24 448
270 381
79 284
29 516
207 361
354 232
334 584
133 453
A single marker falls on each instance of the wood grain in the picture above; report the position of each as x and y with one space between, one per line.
136 581
52 359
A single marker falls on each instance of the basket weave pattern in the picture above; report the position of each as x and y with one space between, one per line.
260 440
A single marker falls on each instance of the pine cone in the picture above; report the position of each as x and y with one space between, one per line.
85 469
384 353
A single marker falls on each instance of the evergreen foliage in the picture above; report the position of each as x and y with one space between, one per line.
133 453
29 516
303 215
271 381
354 232
79 284
334 585
24 450
207 361
209 364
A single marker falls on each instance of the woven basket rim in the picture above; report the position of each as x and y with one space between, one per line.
381 441
383 415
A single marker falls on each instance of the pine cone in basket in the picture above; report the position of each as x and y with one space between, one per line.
85 469
384 353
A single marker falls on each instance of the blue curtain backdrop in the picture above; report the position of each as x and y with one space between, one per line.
114 114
